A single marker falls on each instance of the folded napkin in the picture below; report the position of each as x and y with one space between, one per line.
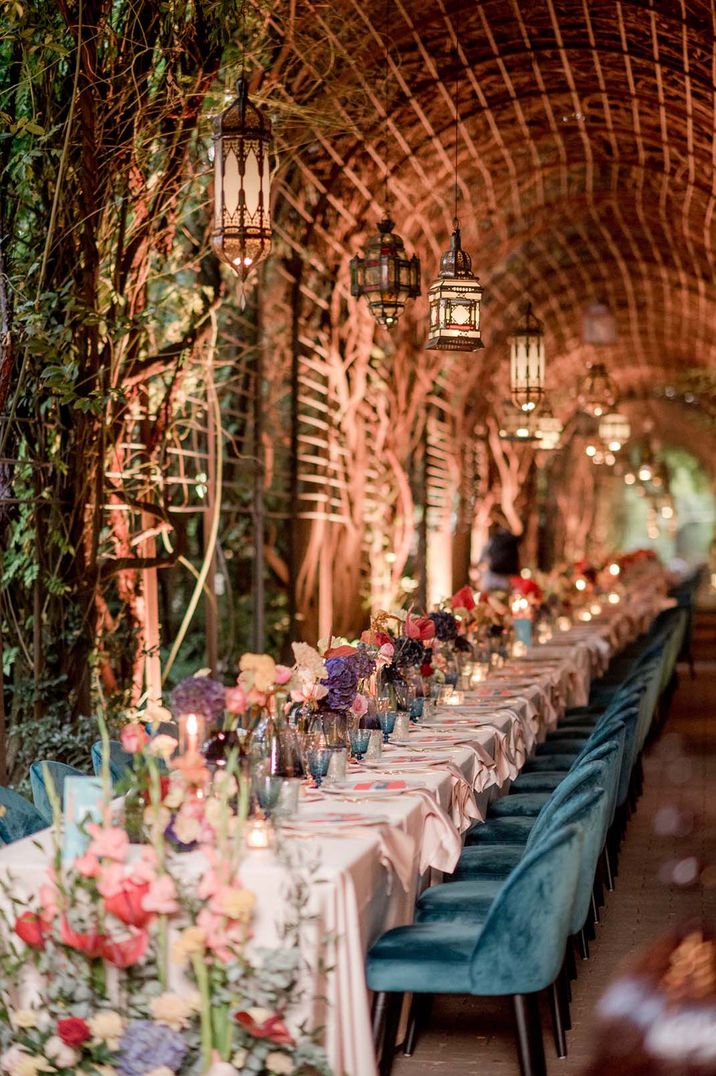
463 805
442 844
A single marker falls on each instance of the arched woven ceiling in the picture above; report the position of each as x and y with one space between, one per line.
586 160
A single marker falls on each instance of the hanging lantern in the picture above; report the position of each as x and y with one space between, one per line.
597 392
455 302
385 275
519 426
614 430
242 158
549 429
599 326
527 363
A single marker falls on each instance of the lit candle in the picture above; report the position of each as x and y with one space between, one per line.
191 733
258 834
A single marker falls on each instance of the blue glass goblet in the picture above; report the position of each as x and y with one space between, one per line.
318 759
360 740
387 720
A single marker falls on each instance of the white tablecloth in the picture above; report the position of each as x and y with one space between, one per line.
355 894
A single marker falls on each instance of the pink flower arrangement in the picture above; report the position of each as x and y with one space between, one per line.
463 599
133 738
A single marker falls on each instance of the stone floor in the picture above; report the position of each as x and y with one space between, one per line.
667 874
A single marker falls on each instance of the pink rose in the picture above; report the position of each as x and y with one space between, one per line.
87 865
133 738
235 699
386 652
282 675
359 706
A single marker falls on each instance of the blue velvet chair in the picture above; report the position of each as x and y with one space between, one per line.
20 818
469 899
58 772
120 761
517 951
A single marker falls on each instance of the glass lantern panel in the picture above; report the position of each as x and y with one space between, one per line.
252 186
231 185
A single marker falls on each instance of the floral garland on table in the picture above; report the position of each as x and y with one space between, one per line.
142 973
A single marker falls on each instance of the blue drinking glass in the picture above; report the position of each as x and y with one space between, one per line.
416 708
387 720
360 739
318 759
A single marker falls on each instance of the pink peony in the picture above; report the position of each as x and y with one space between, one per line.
419 627
162 896
282 675
133 738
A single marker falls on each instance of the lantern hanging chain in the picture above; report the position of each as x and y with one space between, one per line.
386 76
242 21
456 221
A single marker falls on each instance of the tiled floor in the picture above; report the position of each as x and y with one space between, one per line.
671 836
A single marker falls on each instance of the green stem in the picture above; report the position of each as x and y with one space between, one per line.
163 951
202 981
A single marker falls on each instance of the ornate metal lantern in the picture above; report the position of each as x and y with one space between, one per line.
597 392
614 430
519 426
549 429
527 363
454 300
385 275
599 325
242 176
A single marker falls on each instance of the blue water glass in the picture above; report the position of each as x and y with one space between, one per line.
318 759
387 720
360 739
416 708
267 790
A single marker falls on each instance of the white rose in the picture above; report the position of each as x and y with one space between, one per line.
279 1063
24 1018
61 1055
12 1058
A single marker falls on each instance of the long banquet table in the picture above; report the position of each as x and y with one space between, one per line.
367 851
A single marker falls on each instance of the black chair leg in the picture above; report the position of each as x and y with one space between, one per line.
393 1009
555 1007
378 1019
608 873
419 1014
529 1035
570 961
583 945
565 994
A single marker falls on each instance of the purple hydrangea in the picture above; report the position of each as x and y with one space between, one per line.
342 684
198 695
362 662
445 625
145 1046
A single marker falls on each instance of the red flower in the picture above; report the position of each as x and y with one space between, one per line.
125 953
463 599
272 1029
419 627
32 929
164 786
426 670
73 1031
126 903
381 638
526 587
90 944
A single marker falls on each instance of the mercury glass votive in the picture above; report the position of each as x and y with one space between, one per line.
258 834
